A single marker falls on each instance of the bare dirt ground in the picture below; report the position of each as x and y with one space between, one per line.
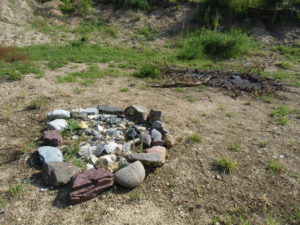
186 190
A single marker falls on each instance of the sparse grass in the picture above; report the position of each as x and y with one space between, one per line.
33 145
191 99
15 189
148 32
201 87
284 65
225 165
78 90
234 147
263 144
222 107
248 103
71 129
195 138
280 114
125 89
134 195
267 98
178 89
275 167
38 103
110 82
271 221
195 121
291 53
89 217
148 70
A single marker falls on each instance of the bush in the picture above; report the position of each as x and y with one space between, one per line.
214 44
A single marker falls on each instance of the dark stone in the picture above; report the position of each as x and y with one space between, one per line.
110 110
131 133
155 115
52 138
158 143
158 125
89 184
58 173
137 114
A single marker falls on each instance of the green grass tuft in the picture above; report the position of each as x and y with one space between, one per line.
195 138
224 165
234 147
275 167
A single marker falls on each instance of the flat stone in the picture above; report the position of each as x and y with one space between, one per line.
59 114
131 176
90 184
58 173
58 124
136 113
158 149
155 115
110 110
168 138
156 135
52 137
150 159
49 154
88 111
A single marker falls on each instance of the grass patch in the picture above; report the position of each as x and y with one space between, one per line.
229 115
134 196
38 103
33 145
90 74
148 32
284 65
275 167
124 89
280 114
291 53
234 147
148 71
71 128
178 89
195 138
214 45
15 189
224 165
191 99
263 144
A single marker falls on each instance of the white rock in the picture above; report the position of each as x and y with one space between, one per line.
89 166
111 147
106 161
58 124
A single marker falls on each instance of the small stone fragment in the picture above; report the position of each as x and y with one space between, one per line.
89 184
136 113
58 173
58 124
110 110
150 159
52 138
156 135
131 176
59 114
155 115
49 154
158 143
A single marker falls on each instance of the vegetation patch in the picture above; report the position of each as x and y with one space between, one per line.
224 165
275 167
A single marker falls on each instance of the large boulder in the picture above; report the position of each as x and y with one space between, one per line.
52 138
110 110
59 114
89 184
58 173
137 114
131 176
49 154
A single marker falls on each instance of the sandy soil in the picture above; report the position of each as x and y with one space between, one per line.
185 190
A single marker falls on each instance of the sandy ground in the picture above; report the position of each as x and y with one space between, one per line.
185 190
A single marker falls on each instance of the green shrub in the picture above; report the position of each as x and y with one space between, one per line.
215 45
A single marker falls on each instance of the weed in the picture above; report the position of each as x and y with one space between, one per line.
195 138
280 114
134 195
271 221
15 189
222 107
275 167
124 89
148 32
30 146
291 53
234 147
284 65
178 89
38 103
148 71
78 90
110 82
75 7
195 121
229 115
89 217
263 144
224 165
191 99
248 103
71 128
201 87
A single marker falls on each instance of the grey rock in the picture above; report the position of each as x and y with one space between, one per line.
146 140
100 148
58 124
131 176
155 115
126 147
156 135
86 152
59 114
58 173
110 110
106 161
111 147
88 111
158 125
150 159
131 133
79 115
136 113
49 154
